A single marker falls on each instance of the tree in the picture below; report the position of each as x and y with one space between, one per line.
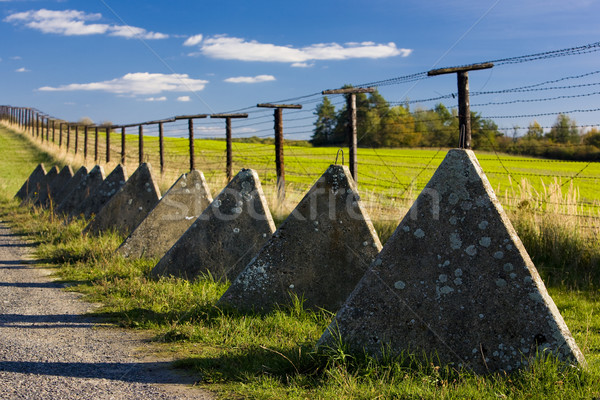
325 123
564 130
86 121
592 137
534 131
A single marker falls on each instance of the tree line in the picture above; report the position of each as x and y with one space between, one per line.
382 125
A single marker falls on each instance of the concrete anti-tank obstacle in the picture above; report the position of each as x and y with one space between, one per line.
81 192
320 252
128 207
34 178
41 188
455 282
71 185
57 184
223 239
109 187
175 212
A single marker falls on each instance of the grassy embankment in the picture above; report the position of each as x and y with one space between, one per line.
271 356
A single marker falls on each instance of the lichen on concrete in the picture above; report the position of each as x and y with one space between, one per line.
128 207
172 216
98 199
471 289
319 253
70 185
226 235
82 191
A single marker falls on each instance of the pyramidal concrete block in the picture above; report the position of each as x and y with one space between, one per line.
34 178
109 187
56 186
320 252
71 185
225 237
130 205
82 191
180 206
41 188
455 281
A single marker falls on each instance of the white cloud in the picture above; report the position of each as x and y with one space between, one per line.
22 69
76 23
132 32
138 83
303 65
162 98
184 98
15 58
193 40
250 79
232 48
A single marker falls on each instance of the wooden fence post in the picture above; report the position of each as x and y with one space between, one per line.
279 163
464 110
108 144
228 139
96 145
352 123
85 141
123 145
161 148
76 138
140 144
190 119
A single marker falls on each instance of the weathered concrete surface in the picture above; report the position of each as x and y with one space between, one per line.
223 239
128 207
109 187
71 185
320 252
38 173
172 216
88 185
41 187
57 184
455 279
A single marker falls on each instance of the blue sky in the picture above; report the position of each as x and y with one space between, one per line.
134 61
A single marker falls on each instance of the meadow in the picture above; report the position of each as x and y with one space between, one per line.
246 355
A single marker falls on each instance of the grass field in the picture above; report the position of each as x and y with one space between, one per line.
272 355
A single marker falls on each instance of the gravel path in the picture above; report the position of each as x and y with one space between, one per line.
49 348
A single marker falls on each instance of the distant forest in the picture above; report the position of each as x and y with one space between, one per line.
382 125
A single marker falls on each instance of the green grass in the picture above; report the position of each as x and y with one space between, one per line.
272 355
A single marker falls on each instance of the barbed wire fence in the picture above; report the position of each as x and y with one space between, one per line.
389 179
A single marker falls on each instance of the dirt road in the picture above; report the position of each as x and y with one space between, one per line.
49 348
